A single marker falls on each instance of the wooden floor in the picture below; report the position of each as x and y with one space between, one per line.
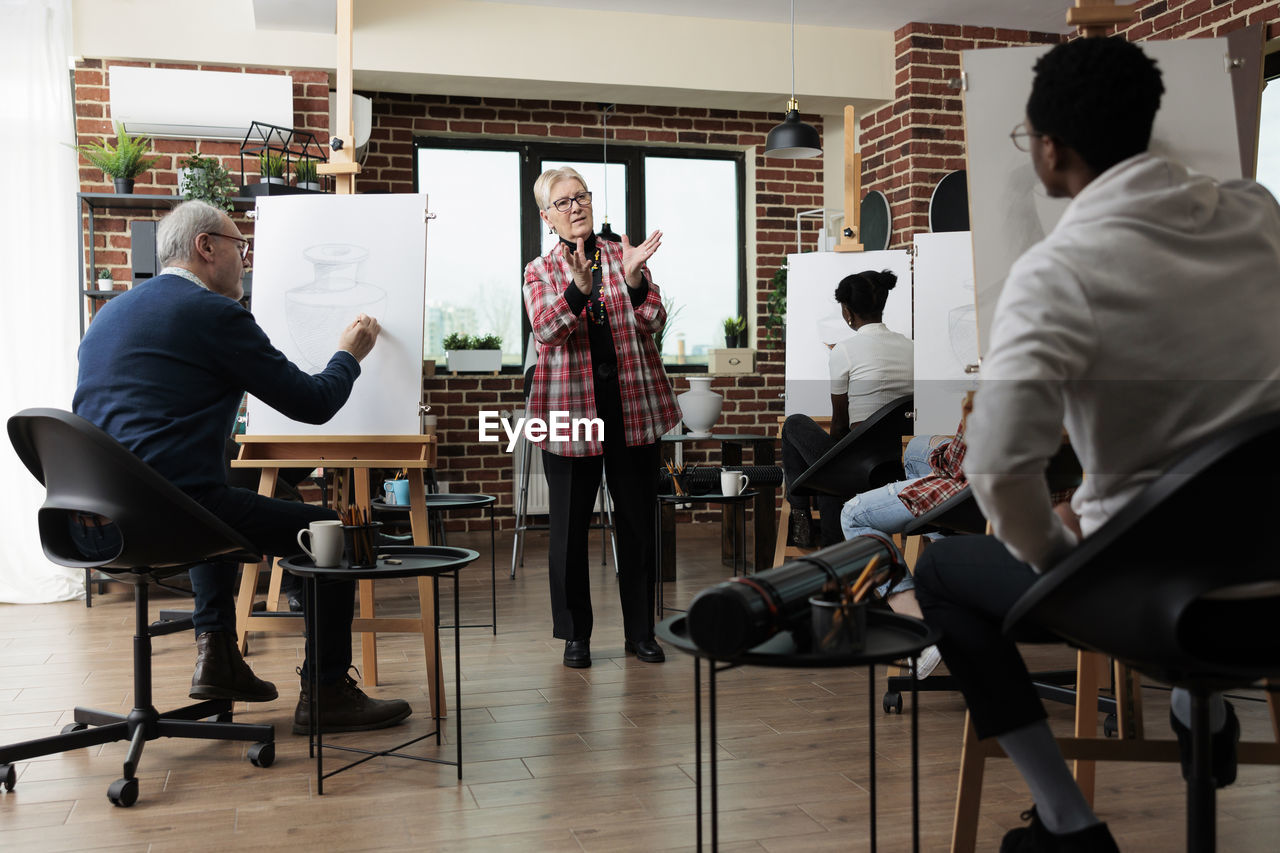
555 759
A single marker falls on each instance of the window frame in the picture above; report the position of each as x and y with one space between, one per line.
533 152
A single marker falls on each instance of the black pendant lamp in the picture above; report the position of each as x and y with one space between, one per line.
606 233
793 139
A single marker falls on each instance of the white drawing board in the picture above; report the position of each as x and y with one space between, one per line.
814 321
1009 210
946 327
318 262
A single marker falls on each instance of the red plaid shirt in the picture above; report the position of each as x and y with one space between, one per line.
563 380
947 478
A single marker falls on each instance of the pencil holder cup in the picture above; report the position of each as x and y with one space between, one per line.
836 628
360 545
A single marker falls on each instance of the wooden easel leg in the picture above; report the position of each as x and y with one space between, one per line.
964 826
780 546
244 601
911 549
273 586
368 639
1089 665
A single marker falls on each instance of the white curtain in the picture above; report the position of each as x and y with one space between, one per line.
38 292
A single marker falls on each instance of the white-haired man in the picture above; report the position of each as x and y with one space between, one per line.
163 369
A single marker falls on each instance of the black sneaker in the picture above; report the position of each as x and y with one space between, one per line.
344 707
1035 838
1222 748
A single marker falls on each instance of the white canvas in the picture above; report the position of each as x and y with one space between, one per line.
814 321
318 262
946 329
1008 208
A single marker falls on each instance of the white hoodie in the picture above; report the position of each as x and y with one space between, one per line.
1148 319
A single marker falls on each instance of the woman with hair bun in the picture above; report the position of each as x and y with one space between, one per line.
870 368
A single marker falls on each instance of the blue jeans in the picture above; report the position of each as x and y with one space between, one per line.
880 512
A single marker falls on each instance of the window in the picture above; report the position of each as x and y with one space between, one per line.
1269 137
487 228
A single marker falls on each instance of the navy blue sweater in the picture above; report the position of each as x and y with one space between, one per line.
163 368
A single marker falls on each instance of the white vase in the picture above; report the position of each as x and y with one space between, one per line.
700 406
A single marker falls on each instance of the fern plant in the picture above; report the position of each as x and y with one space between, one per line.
126 159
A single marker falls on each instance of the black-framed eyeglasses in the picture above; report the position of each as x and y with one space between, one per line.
244 244
564 205
1021 136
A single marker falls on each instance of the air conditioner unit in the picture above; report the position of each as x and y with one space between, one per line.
361 117
170 102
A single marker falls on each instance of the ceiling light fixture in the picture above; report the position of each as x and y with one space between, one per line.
793 138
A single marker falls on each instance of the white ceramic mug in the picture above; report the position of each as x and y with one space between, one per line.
733 483
326 540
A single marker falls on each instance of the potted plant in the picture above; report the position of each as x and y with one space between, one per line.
468 354
123 161
271 167
104 280
204 178
306 176
673 311
775 320
735 329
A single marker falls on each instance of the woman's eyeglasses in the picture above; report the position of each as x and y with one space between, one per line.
244 244
563 205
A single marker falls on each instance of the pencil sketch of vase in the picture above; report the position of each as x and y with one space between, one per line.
962 328
317 312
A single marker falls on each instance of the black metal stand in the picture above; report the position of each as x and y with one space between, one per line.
738 503
393 561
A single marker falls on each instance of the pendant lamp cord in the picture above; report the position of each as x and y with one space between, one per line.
605 162
793 50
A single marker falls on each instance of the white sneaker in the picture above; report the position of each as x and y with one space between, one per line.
927 662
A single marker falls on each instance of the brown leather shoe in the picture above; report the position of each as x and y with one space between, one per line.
344 707
221 672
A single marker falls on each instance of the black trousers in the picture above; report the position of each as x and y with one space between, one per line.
966 585
803 443
573 483
272 526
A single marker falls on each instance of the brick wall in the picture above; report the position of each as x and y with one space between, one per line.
780 190
909 145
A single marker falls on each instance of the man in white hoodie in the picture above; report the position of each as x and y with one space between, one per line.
1144 322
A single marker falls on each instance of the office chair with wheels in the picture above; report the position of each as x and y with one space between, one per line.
151 530
1161 587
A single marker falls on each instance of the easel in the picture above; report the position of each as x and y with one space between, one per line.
342 164
358 453
850 236
1095 17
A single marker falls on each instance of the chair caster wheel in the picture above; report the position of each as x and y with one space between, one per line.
893 703
8 776
262 754
123 792
74 727
1110 727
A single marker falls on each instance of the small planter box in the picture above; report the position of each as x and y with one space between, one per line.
473 360
737 360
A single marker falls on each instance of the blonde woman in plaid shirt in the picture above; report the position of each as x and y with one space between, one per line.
594 310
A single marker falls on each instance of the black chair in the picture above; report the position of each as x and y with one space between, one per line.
153 530
869 456
1162 588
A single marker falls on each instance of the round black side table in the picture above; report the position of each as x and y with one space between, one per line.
443 502
394 561
890 637
737 502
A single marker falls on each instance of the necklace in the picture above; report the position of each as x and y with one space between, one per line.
595 309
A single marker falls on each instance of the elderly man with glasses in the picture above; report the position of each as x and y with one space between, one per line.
163 369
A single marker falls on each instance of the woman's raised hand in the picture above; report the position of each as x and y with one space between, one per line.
580 268
633 257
